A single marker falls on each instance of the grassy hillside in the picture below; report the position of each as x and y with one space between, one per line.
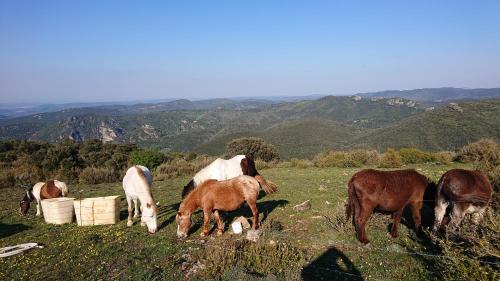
439 94
310 245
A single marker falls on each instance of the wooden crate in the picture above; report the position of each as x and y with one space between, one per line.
58 210
97 211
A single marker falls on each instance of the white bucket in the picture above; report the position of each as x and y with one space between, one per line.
237 227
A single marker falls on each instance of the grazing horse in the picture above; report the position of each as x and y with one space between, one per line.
137 186
466 192
388 191
213 196
40 191
221 169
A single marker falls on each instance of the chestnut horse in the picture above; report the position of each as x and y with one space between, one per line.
221 169
388 191
213 196
466 192
40 191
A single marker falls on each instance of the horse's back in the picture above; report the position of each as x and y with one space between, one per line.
137 178
220 169
463 185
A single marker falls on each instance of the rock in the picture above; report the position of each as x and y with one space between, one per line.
244 222
253 235
303 206
237 227
322 188
328 203
455 106
272 242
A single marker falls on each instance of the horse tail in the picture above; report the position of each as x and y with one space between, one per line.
268 187
352 202
63 187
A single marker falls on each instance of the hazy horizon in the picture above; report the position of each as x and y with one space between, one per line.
120 51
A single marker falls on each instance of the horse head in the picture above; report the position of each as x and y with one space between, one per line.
183 220
24 205
149 214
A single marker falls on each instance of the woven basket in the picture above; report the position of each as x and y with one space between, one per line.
97 211
58 210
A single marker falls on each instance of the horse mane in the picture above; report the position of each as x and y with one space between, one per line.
188 188
145 181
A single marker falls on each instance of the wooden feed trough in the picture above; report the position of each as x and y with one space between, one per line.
58 210
97 211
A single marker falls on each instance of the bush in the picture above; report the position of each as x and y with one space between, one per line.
91 175
484 149
365 157
415 156
177 167
7 178
261 165
444 157
391 159
300 163
148 158
255 147
329 159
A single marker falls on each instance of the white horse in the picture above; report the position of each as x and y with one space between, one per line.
40 191
221 169
137 186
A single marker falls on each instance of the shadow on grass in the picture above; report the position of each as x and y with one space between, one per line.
7 230
264 208
331 265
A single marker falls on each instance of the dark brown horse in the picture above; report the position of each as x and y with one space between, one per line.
465 192
213 196
388 191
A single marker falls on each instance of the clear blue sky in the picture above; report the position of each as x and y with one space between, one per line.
59 51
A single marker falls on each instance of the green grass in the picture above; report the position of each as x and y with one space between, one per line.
294 245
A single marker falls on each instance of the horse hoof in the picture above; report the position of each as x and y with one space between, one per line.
391 236
130 223
203 234
143 224
220 232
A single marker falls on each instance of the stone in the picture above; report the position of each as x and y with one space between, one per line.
244 222
253 235
303 206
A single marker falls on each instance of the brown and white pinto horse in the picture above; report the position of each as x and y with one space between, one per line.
213 196
388 191
466 192
221 169
40 191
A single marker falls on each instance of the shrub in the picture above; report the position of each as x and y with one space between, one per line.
365 157
484 149
444 157
7 178
148 158
350 161
415 156
91 175
255 147
177 167
300 163
329 159
261 165
391 159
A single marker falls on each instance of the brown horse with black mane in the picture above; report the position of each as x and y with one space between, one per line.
388 191
466 192
213 196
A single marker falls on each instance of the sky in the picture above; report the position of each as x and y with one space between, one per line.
92 51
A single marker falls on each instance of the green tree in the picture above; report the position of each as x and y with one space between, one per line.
148 158
255 147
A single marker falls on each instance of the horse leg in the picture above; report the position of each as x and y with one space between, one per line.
38 207
416 207
360 222
439 213
253 206
457 214
130 212
136 213
397 218
478 216
206 221
220 225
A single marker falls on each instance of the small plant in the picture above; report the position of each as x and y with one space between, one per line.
391 159
444 157
415 156
255 147
92 175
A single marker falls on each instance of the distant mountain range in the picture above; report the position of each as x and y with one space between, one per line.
298 128
438 95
